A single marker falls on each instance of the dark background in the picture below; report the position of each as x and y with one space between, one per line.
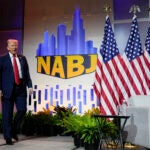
11 24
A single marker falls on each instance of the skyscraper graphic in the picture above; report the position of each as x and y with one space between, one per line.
77 37
67 44
61 40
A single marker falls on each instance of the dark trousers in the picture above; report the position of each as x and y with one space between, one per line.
11 123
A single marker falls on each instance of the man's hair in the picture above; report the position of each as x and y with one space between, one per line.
12 40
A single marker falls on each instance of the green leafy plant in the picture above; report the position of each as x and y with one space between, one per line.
45 123
86 126
41 123
62 111
73 123
89 132
91 112
108 127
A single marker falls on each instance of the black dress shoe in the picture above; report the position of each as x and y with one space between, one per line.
9 142
15 137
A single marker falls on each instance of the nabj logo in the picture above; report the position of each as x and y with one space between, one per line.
73 56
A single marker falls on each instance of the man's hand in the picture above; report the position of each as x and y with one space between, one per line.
30 91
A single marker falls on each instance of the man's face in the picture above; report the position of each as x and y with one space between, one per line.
12 47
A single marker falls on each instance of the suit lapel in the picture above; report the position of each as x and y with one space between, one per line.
8 61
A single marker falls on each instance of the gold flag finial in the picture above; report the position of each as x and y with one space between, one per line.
134 9
107 9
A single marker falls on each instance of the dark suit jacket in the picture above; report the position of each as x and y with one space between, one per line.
7 75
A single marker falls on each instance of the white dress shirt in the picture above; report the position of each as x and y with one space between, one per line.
18 64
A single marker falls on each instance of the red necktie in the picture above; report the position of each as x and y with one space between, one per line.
16 71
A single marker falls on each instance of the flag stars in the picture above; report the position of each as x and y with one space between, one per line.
147 42
134 77
108 48
134 48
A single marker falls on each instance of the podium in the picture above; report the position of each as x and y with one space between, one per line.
120 122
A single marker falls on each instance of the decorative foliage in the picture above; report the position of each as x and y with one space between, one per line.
62 111
92 111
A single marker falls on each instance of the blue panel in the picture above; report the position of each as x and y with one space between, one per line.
79 94
39 97
57 103
92 94
68 94
56 94
35 106
93 105
51 96
46 106
61 97
80 107
84 97
74 96
35 86
57 86
98 102
80 86
69 106
78 97
34 94
46 93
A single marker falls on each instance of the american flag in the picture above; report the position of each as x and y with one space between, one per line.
136 66
147 42
110 87
147 52
147 48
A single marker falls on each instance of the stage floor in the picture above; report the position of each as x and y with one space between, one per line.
46 143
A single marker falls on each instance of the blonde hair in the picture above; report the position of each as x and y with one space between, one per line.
12 40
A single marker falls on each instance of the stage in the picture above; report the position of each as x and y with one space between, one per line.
46 143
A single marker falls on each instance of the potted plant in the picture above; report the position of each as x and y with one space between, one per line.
91 128
74 123
50 126
89 133
61 112
28 124
46 123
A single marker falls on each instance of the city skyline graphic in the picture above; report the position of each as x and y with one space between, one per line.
73 44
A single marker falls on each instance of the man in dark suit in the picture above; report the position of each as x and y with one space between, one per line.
13 90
